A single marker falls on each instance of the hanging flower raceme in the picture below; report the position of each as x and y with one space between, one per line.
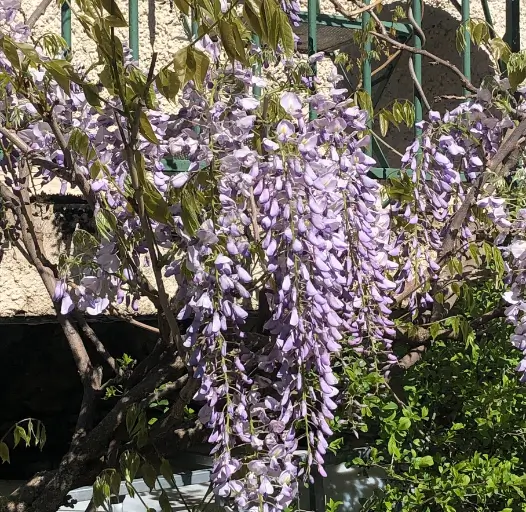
321 241
438 164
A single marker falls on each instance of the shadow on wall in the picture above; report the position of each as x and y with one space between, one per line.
437 80
39 380
352 486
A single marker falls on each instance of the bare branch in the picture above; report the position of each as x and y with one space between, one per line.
90 376
422 339
355 12
164 300
38 12
71 175
91 335
411 49
128 318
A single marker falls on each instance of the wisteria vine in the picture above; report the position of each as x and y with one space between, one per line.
285 210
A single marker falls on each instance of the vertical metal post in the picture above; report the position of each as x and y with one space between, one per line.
195 28
312 15
366 67
195 25
513 33
466 55
65 22
417 65
317 494
133 22
256 90
487 17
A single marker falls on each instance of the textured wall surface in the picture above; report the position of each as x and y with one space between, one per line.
22 291
160 30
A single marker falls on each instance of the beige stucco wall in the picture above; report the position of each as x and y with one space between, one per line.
22 293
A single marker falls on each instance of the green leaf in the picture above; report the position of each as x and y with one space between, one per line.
183 6
285 33
274 30
266 14
130 463
146 130
11 52
434 330
384 123
404 423
115 21
106 223
4 452
516 67
179 61
92 95
156 207
392 447
80 143
29 51
149 475
480 33
253 18
96 169
164 502
516 77
42 437
240 45
460 39
409 114
398 112
500 49
228 39
115 482
202 63
131 418
166 471
365 102
112 8
426 461
101 492
57 69
189 213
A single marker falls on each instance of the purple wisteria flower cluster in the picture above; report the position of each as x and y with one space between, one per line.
302 217
448 158
293 213
277 205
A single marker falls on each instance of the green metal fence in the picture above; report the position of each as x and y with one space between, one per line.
323 32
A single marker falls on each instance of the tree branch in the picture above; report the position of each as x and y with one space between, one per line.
38 12
71 176
91 335
90 377
411 49
139 198
422 339
90 449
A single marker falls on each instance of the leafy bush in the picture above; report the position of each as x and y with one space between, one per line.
453 438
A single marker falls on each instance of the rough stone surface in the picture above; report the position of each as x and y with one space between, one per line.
160 30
